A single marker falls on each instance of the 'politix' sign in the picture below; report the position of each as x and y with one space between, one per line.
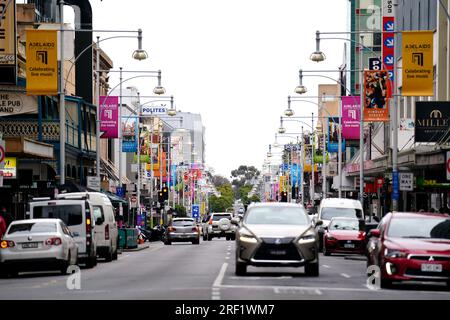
153 110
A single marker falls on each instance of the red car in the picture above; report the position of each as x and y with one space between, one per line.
411 246
343 236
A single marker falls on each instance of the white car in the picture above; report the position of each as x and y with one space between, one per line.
37 244
218 225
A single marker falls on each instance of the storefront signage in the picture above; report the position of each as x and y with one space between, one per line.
42 62
17 103
417 69
153 110
10 168
432 121
8 60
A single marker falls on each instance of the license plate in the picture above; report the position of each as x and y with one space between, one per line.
431 267
29 245
349 245
278 252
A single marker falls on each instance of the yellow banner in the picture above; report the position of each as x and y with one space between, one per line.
8 33
42 62
307 168
282 183
417 69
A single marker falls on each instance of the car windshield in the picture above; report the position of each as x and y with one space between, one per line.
71 214
41 227
433 228
328 213
217 217
344 224
183 223
277 216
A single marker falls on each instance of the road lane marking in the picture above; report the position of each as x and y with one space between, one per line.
294 288
227 258
285 290
345 275
326 266
259 278
219 279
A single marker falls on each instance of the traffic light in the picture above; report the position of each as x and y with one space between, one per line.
161 196
284 196
165 193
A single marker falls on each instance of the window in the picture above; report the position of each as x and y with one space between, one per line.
35 227
277 216
70 214
183 223
344 224
433 228
217 217
329 212
64 229
98 213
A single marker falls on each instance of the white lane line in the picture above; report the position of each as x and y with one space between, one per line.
280 288
259 278
318 292
219 279
228 253
215 298
326 266
345 275
227 258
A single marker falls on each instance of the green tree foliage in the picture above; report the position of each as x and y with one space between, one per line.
180 211
219 181
222 203
242 176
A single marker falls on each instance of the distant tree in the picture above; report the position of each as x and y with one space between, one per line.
242 176
180 211
219 181
222 203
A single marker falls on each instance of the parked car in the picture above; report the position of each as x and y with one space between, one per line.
106 230
411 246
277 234
218 225
37 244
337 207
344 235
77 215
182 230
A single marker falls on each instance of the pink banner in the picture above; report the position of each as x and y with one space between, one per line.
109 117
351 116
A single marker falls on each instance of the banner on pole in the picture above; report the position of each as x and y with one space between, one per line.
351 116
417 69
109 117
130 131
8 56
376 95
42 62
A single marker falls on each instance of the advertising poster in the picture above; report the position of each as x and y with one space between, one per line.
432 121
417 69
351 116
8 60
42 62
376 95
333 135
129 133
109 117
296 174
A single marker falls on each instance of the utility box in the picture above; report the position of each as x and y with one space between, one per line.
132 237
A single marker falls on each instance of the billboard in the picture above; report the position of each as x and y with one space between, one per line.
8 57
109 117
351 117
432 121
417 68
130 131
376 95
42 62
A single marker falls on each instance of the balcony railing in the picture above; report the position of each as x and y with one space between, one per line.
50 132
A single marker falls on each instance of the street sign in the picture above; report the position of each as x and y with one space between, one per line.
406 181
195 211
395 186
374 64
120 192
448 165
93 182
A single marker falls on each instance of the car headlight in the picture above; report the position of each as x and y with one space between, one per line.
307 238
393 253
331 238
246 236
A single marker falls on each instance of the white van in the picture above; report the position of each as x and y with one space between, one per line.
77 215
106 230
337 207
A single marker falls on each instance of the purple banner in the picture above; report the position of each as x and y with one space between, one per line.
109 117
351 116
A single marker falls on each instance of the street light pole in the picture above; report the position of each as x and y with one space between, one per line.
340 149
120 139
139 159
312 159
62 101
97 100
302 155
361 127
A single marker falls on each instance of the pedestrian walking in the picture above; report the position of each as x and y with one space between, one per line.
7 216
3 226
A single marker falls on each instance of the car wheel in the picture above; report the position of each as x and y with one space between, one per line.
196 241
385 283
325 251
241 269
65 265
109 255
91 262
115 255
167 243
312 269
233 237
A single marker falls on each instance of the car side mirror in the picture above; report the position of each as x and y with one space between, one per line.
374 233
99 221
235 221
318 222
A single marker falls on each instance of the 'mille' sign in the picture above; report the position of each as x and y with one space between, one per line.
432 121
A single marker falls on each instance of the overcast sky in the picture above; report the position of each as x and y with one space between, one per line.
234 62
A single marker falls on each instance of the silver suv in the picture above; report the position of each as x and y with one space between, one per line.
218 225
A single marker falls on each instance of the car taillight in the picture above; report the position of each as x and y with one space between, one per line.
53 242
195 229
171 229
210 221
7 244
107 232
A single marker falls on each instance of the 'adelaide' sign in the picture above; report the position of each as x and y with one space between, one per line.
432 121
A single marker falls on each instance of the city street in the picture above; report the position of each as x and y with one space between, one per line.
206 272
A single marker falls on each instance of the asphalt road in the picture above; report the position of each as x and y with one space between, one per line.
206 272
